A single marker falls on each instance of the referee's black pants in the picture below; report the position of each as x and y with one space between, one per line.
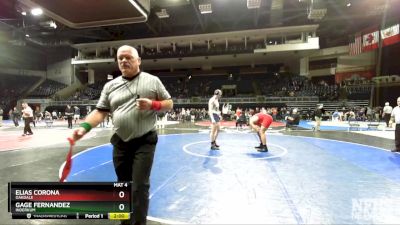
69 119
27 127
133 161
397 137
386 117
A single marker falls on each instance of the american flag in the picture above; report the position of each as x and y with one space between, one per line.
355 46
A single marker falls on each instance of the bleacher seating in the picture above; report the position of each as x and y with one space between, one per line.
337 105
46 89
271 89
90 92
13 87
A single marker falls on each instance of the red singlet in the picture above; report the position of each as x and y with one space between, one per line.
264 120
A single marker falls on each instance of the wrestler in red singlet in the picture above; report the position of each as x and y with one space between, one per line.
260 122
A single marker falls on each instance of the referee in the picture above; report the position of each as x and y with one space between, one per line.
133 100
396 118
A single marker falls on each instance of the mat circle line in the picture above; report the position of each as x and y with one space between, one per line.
185 149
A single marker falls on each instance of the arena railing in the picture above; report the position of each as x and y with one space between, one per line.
257 99
202 101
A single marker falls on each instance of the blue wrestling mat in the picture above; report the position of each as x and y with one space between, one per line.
301 180
331 127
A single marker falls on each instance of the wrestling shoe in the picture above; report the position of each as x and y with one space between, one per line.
263 149
259 146
214 147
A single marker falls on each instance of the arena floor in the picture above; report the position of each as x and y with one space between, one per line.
334 176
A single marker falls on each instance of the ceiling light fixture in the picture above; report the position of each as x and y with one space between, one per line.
36 11
253 4
317 10
50 24
53 24
317 14
162 14
205 8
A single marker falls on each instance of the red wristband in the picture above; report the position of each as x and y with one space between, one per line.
155 105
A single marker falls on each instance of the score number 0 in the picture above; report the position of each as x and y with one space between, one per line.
121 206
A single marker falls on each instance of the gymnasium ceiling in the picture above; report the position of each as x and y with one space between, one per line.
184 19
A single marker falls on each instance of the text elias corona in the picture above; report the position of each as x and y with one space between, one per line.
31 206
28 194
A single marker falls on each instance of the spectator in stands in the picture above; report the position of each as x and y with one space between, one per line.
15 116
309 114
37 115
27 114
1 116
377 111
274 113
396 118
10 114
285 114
336 116
48 119
77 113
215 117
34 119
88 110
369 113
69 113
133 100
293 119
260 122
238 112
192 114
225 108
387 112
361 114
54 115
350 115
240 118
318 113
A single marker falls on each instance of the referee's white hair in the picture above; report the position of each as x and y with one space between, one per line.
135 53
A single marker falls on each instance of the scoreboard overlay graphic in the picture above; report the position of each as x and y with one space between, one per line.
72 200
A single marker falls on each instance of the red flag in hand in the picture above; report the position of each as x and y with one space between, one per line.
68 161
